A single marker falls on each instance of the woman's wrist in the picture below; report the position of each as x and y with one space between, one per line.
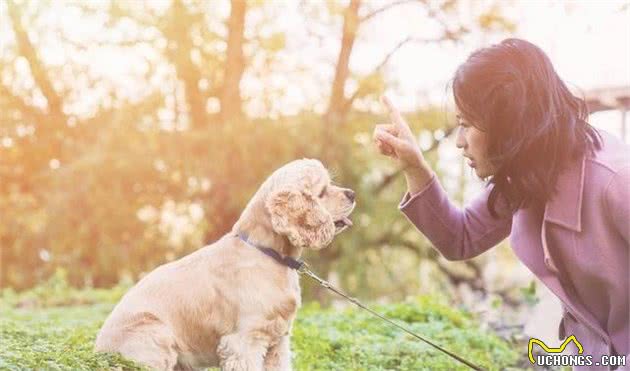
418 177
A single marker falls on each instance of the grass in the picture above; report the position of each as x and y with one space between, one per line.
53 328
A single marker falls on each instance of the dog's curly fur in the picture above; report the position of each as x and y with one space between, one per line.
228 304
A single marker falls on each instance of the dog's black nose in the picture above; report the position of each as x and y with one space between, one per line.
350 194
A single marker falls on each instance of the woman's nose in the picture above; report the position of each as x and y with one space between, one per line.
460 140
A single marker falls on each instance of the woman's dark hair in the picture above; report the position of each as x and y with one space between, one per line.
535 125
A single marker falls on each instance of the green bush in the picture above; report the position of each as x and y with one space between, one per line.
56 291
62 338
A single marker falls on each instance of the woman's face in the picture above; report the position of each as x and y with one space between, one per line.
474 143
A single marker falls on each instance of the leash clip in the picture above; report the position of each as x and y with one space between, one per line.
304 268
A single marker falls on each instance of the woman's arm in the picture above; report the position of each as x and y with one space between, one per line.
457 233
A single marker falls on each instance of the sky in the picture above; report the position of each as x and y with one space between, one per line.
588 42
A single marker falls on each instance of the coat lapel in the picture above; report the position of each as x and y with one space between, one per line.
565 207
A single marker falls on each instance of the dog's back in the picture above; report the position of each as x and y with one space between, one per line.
152 322
177 314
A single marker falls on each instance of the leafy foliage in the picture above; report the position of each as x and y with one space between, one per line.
108 171
57 292
122 220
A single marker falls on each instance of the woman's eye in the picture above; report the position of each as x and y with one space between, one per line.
322 193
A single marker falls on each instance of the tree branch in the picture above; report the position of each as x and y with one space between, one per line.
361 89
19 103
116 11
384 8
476 283
448 34
128 43
55 103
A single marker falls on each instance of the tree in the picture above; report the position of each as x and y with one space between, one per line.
358 15
113 174
231 102
337 106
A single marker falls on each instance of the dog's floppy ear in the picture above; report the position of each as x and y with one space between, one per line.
300 217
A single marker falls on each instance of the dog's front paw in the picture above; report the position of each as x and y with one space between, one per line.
278 357
237 354
234 364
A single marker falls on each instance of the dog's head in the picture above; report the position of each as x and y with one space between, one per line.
304 206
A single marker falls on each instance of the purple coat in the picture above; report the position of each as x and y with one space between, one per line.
577 245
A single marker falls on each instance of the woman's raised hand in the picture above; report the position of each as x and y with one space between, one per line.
396 139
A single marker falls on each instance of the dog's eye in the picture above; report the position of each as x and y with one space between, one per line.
323 192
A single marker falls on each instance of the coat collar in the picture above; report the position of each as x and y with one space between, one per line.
565 207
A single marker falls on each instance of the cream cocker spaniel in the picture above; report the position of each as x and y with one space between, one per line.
231 304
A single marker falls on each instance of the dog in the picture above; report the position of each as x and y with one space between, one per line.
232 303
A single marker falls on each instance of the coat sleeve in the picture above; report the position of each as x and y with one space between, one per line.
617 202
458 234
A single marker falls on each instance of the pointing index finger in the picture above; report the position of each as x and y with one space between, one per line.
394 114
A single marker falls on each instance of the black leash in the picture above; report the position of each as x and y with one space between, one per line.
302 268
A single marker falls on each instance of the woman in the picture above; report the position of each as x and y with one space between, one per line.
557 186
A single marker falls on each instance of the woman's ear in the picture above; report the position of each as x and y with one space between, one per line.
301 218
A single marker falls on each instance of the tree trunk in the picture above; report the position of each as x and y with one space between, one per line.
231 101
52 125
177 32
336 108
